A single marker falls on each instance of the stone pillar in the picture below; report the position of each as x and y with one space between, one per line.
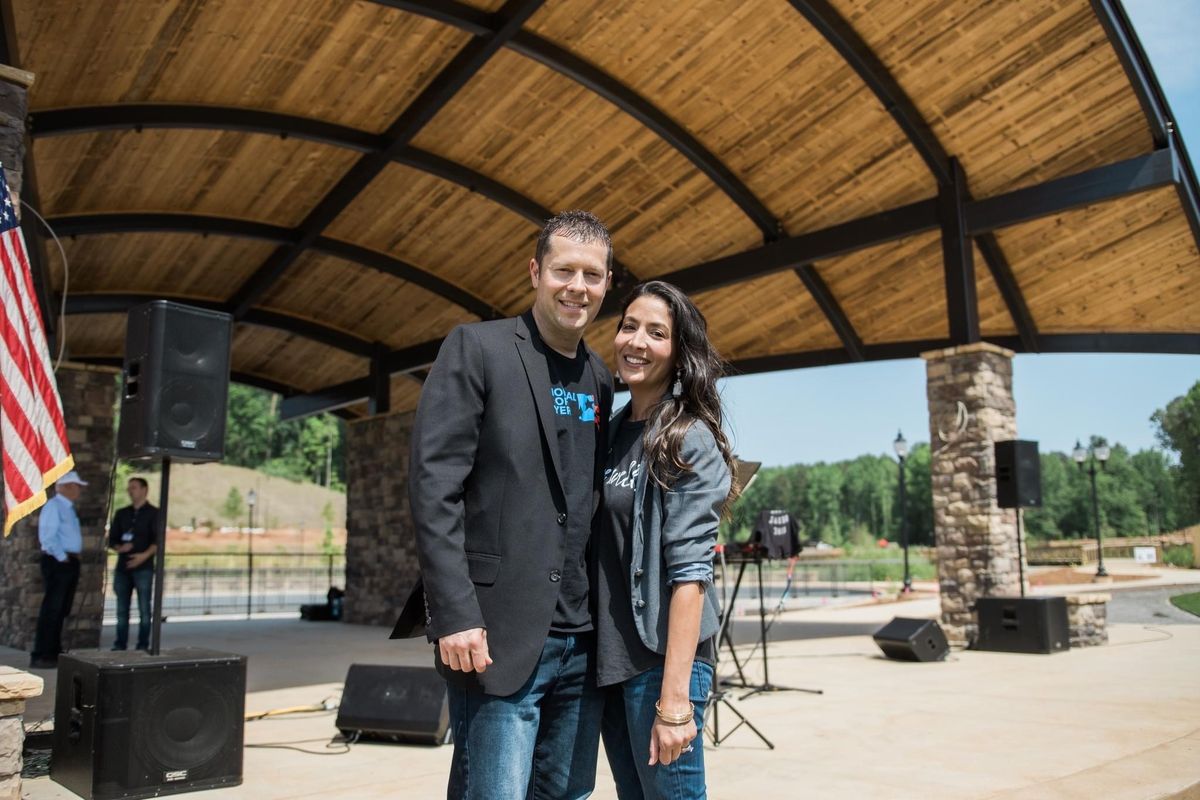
14 89
88 397
15 688
381 546
970 408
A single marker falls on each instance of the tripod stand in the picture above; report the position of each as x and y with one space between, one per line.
727 639
717 696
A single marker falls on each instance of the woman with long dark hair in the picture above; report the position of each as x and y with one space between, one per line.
667 482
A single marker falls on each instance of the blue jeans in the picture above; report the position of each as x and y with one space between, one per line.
542 741
124 582
628 718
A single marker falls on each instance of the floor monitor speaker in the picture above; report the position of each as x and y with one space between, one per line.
912 640
130 725
400 704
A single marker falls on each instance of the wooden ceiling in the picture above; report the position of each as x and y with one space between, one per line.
833 180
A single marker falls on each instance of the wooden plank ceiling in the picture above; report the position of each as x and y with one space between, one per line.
354 178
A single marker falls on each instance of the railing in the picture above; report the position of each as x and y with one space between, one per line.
812 582
202 584
1083 551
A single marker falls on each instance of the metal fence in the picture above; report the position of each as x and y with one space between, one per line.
811 583
202 584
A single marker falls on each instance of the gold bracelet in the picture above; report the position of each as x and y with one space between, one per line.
673 719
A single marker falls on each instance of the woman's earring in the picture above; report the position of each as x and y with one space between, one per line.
677 389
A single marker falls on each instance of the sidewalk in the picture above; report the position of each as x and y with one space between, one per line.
1121 721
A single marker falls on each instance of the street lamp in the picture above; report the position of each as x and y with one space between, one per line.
901 448
1100 453
251 501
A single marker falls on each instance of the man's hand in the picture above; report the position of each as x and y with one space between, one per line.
668 742
465 651
138 560
125 548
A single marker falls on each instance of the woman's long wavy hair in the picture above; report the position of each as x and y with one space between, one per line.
697 368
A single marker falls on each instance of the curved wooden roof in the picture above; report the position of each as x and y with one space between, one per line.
833 180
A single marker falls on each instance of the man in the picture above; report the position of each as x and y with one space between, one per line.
134 536
504 477
62 543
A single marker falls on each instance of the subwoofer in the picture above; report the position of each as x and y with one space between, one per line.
399 704
1023 624
1018 474
176 382
130 725
909 639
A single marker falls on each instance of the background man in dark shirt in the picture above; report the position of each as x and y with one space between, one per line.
134 536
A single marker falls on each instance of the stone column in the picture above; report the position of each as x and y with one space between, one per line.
15 688
381 546
970 408
14 89
88 396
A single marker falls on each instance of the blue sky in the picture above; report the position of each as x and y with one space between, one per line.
832 413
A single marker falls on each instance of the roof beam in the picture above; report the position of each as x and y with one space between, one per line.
94 224
99 303
833 311
1154 103
958 259
84 119
839 33
1010 291
568 64
432 99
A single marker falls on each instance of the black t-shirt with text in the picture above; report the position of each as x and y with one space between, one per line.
138 526
575 398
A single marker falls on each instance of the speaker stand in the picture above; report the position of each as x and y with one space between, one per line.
1020 554
160 557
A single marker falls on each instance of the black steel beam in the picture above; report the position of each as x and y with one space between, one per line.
380 399
838 32
82 119
794 251
297 326
92 224
1010 291
568 64
432 99
237 377
1138 174
958 259
139 116
833 311
1114 342
330 398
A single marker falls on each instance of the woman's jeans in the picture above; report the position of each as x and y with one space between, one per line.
628 718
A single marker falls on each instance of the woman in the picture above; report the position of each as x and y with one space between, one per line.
667 481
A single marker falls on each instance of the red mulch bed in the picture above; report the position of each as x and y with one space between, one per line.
1058 577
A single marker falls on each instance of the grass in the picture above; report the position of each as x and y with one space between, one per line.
1188 602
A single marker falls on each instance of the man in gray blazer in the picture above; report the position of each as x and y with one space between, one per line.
504 477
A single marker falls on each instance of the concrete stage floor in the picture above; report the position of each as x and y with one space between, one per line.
1114 722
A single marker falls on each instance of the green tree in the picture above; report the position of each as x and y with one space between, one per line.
1178 428
233 507
918 495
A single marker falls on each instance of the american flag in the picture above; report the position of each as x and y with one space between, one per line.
33 438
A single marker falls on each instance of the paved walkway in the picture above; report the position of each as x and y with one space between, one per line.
1113 722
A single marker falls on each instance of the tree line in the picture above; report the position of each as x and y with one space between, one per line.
857 501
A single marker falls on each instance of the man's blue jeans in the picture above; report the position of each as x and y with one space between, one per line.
542 741
124 582
628 718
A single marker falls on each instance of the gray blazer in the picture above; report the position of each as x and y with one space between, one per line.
672 528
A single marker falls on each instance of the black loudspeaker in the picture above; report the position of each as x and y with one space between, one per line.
912 640
176 382
130 725
399 704
1023 624
1018 474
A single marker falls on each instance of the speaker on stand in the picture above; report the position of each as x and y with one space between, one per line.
1018 485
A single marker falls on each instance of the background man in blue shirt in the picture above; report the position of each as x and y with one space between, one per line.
62 542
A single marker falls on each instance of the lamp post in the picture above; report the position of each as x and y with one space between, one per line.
1099 453
901 448
251 501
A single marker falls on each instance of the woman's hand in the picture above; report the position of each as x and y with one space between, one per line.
668 742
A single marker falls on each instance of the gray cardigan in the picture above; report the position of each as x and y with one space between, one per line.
675 527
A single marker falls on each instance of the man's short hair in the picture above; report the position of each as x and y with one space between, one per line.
580 226
141 481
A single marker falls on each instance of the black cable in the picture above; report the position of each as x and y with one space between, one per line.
329 751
